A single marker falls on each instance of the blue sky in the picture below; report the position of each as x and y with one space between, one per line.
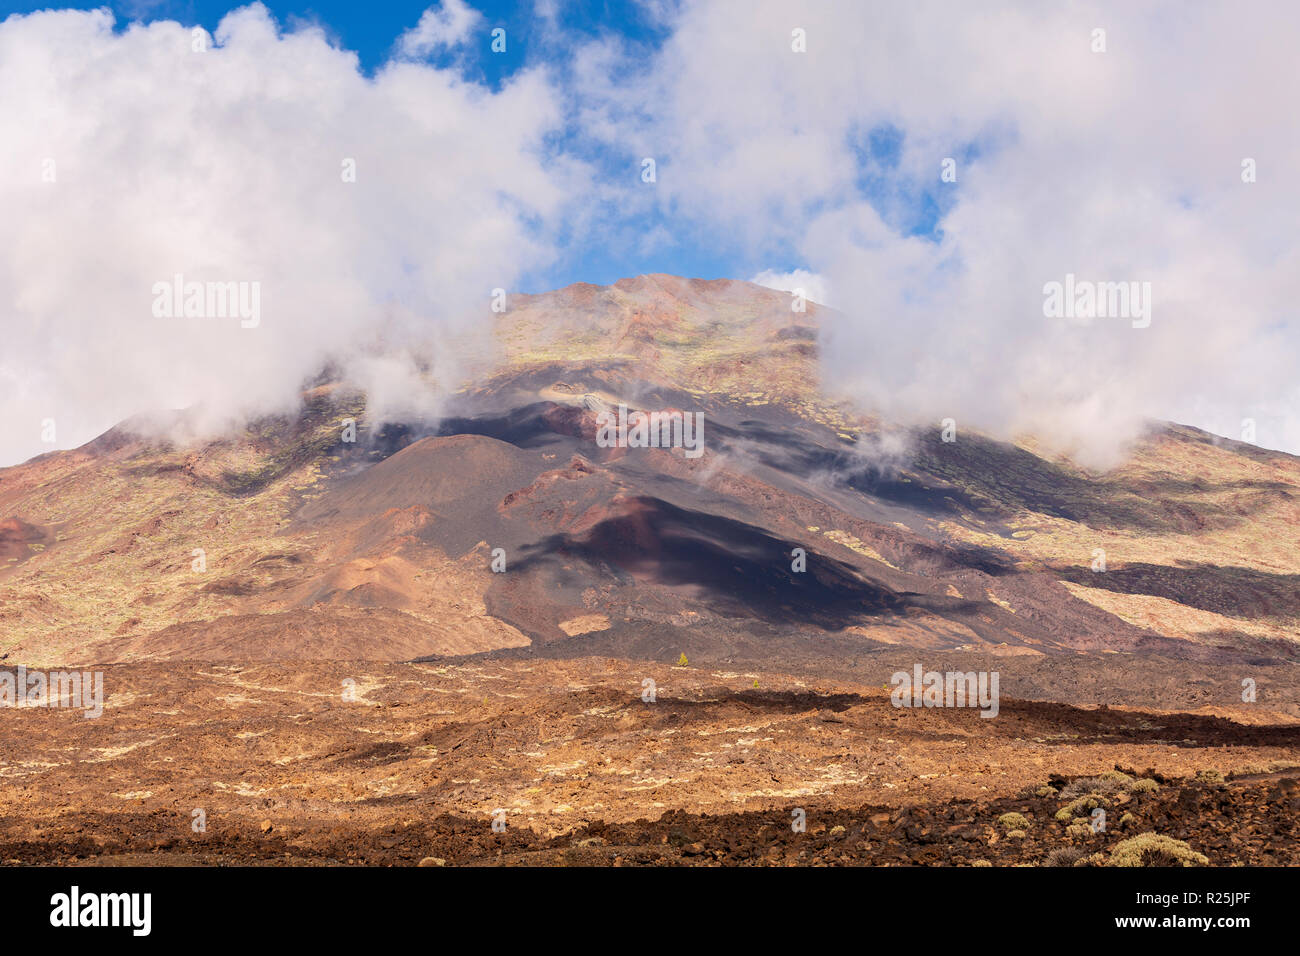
370 29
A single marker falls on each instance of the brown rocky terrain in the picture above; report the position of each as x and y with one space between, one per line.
421 758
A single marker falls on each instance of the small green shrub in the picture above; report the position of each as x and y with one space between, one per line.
1153 849
1081 806
1105 784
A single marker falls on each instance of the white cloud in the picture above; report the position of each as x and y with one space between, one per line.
227 165
444 25
1123 165
224 166
811 285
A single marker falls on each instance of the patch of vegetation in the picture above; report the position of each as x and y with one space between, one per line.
1081 806
281 443
1106 784
1078 831
1153 849
1065 856
1013 821
278 463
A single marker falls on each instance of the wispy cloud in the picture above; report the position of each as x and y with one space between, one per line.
811 286
444 25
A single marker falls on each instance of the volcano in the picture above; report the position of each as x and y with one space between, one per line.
519 590
788 536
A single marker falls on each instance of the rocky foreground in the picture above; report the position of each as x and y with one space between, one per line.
338 763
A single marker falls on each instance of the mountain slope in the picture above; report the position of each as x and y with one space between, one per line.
287 542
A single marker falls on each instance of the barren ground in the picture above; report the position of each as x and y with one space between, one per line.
286 770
